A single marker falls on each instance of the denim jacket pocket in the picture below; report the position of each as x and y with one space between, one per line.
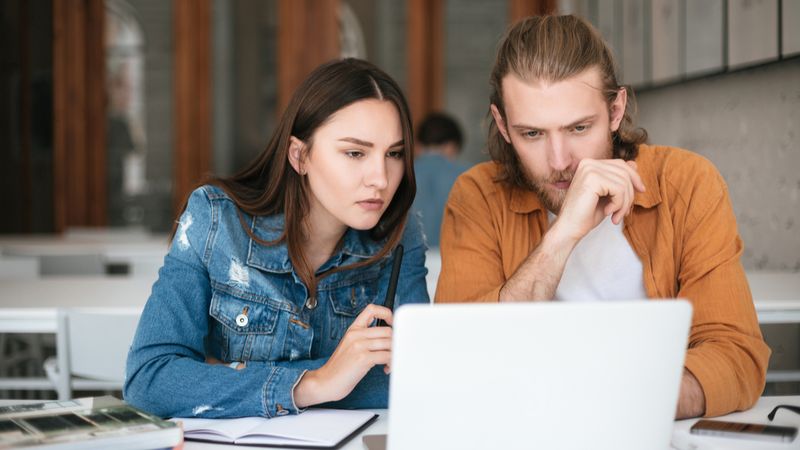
348 298
246 325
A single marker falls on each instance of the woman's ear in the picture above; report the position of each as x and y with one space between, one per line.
297 155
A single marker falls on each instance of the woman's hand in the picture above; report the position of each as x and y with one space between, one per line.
361 348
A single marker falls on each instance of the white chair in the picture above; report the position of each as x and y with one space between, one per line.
91 349
19 353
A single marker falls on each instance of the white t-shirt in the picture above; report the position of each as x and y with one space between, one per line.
603 266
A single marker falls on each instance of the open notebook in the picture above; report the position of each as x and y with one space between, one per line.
315 428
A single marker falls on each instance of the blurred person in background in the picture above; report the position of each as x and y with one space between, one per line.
439 142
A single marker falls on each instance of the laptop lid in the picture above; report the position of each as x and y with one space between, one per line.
537 375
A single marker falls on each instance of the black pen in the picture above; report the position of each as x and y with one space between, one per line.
389 302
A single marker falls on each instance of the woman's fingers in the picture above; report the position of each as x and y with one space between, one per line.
369 333
379 344
380 357
370 314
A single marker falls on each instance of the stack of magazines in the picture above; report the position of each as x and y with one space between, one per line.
84 423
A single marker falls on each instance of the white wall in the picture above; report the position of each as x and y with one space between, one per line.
748 124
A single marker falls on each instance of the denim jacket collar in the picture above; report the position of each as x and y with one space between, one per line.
275 258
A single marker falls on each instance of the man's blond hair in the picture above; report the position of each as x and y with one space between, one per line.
554 48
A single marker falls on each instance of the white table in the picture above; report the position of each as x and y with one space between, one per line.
681 437
31 306
141 254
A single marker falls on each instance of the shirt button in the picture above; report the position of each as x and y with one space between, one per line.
241 320
311 303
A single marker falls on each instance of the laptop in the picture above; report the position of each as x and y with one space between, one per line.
536 375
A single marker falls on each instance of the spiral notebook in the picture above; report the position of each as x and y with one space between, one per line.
315 428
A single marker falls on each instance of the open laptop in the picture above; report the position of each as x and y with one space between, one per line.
536 375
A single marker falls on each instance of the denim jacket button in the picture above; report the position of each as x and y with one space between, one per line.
241 320
280 411
311 303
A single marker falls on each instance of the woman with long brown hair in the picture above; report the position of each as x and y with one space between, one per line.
275 275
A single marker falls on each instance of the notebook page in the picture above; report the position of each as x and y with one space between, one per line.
313 428
224 430
324 427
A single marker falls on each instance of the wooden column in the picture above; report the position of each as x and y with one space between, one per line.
79 114
308 35
520 9
25 119
192 28
425 50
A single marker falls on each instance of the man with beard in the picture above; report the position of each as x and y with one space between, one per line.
574 206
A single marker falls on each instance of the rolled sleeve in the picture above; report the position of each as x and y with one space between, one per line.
278 397
727 353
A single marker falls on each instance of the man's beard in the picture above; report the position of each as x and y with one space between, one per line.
553 199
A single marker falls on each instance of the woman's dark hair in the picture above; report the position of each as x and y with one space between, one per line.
269 185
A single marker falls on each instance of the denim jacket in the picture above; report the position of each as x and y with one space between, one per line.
222 294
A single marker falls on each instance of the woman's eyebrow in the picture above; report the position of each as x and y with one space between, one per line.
363 143
356 141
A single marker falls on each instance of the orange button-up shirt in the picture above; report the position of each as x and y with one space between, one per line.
682 228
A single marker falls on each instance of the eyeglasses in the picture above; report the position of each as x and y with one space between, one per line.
771 415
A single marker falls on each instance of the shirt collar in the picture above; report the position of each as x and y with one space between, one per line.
275 258
524 201
647 171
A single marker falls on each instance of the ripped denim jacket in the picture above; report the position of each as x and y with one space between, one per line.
221 294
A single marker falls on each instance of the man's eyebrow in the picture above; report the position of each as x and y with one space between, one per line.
363 143
588 118
522 126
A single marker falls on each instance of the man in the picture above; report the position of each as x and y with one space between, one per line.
574 206
439 140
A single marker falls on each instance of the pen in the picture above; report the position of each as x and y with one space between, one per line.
389 302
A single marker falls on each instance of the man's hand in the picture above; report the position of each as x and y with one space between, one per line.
598 189
691 400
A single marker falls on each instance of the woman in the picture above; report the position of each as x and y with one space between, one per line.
278 271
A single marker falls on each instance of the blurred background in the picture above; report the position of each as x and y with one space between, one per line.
111 111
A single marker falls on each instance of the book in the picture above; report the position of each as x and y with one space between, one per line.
84 423
314 428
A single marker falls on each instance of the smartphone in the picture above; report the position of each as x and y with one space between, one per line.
755 431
